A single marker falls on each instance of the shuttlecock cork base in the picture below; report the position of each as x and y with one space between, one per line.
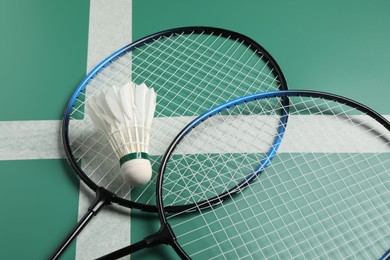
125 115
136 168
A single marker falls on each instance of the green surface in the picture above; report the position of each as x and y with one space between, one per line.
43 56
43 52
39 201
334 46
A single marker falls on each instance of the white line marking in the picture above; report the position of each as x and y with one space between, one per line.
110 28
30 140
26 140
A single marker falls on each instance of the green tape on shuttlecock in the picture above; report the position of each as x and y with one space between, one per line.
133 156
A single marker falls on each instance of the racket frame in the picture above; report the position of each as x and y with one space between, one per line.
103 196
195 29
284 95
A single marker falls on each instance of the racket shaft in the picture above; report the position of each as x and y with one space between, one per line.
103 198
82 223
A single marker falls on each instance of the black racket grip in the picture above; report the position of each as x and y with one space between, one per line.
154 239
163 236
103 198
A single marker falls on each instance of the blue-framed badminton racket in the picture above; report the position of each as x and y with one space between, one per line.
191 69
325 194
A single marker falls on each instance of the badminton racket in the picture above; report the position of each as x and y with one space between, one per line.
324 195
192 69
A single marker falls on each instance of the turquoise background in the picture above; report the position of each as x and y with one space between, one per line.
43 56
332 46
341 47
335 46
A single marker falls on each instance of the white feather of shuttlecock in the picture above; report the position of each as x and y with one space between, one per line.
125 115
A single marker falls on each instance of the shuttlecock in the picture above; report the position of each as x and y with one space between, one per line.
125 115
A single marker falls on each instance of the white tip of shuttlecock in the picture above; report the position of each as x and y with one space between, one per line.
137 171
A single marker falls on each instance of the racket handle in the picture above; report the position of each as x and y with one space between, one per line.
163 236
155 239
103 198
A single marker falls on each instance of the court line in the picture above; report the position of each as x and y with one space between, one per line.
110 28
30 140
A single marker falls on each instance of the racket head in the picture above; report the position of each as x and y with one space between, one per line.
192 69
323 194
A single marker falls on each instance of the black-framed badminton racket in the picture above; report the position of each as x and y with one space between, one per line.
325 194
191 69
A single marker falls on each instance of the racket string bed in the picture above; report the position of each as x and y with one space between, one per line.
329 201
228 67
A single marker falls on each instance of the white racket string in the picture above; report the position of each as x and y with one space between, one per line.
190 72
224 149
324 194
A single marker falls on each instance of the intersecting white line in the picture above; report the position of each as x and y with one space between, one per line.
41 139
110 28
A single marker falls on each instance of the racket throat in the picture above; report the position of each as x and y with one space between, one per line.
166 236
103 198
163 236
